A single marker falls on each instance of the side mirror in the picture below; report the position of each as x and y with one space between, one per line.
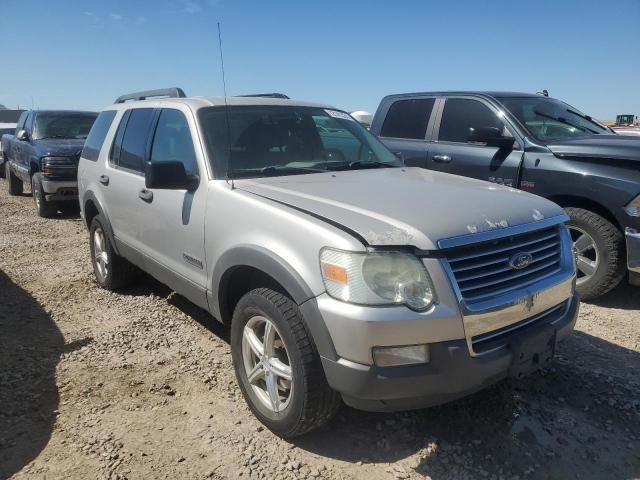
492 137
23 135
169 176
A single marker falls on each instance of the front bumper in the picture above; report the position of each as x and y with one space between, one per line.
633 249
452 372
60 190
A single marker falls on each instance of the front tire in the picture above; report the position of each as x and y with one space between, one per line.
44 208
599 248
14 184
277 365
112 271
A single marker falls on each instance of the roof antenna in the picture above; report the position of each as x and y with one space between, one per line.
226 111
544 93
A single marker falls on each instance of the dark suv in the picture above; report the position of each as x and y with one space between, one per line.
538 144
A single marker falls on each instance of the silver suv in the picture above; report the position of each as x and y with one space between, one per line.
342 274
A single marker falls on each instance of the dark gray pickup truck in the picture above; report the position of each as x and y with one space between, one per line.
538 144
44 152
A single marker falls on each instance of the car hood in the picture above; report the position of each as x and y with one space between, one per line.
622 147
404 206
65 147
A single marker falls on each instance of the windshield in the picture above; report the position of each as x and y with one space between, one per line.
7 130
549 119
284 140
63 125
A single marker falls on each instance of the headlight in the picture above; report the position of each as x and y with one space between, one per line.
58 165
633 207
377 278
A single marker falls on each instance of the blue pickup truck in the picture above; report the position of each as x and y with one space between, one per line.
44 152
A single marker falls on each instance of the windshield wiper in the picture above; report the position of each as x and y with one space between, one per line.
587 118
357 164
54 136
565 121
274 170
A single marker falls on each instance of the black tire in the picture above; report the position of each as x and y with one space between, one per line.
14 184
119 271
312 403
44 208
610 248
2 170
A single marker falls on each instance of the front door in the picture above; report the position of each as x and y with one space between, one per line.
172 230
453 153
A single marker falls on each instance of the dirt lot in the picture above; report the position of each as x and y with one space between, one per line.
139 384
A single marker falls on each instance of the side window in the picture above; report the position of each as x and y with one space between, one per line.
408 118
461 115
172 141
97 134
28 124
21 121
129 151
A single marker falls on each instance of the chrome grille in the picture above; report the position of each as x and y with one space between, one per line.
483 270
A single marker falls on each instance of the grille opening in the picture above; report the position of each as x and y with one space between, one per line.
483 270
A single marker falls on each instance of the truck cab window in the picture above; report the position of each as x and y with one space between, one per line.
172 141
408 118
461 115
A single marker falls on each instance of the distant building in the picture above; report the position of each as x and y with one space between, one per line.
9 116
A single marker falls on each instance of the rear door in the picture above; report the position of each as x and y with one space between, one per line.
123 180
405 129
451 151
172 226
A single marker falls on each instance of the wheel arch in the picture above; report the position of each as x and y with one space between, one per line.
90 208
586 203
246 267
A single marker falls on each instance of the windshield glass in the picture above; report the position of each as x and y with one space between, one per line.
284 140
549 119
63 125
7 130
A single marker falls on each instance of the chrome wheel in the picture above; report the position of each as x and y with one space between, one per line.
35 191
586 253
100 256
266 363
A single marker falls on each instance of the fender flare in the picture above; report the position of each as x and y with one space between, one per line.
89 196
280 270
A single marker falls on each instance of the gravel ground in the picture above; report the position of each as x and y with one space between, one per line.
139 384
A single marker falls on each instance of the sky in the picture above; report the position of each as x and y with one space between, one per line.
82 54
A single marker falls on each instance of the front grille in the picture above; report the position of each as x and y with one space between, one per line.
483 270
499 338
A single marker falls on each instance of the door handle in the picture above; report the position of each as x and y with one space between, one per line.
104 179
146 195
442 158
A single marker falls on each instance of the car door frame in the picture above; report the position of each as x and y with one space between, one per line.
430 124
503 115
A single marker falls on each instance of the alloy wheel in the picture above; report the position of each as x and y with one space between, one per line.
266 363
101 258
586 254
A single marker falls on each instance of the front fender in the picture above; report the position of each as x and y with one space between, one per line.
276 267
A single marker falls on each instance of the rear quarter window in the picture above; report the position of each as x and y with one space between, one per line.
97 135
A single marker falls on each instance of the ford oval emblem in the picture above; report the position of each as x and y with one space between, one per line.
520 260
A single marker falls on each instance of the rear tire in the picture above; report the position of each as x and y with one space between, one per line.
304 401
600 248
14 184
2 170
44 208
112 271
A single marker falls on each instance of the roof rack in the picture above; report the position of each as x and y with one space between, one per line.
174 92
267 95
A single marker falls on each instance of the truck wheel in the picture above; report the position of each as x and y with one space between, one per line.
277 365
44 208
599 249
4 163
14 184
112 271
